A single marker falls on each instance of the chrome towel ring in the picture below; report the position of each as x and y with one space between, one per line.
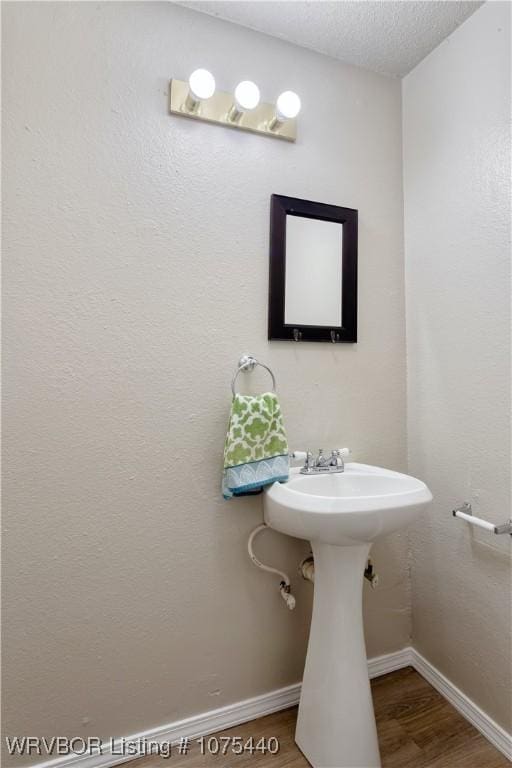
247 363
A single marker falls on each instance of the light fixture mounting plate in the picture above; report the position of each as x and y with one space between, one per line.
216 110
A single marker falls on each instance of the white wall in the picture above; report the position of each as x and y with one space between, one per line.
135 274
456 106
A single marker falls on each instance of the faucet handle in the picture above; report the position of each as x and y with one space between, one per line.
305 456
343 453
336 459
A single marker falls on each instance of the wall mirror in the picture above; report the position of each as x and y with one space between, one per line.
313 271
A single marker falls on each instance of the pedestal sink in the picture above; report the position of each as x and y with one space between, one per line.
341 514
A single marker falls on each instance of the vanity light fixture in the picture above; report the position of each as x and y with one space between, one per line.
247 98
201 85
198 98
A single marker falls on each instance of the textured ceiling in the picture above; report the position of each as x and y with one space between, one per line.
388 37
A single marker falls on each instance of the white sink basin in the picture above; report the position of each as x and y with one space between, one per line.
342 515
358 505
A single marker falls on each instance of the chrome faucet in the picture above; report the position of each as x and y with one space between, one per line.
321 460
322 463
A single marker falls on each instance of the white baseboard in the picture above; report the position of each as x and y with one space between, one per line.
493 732
390 662
192 727
259 706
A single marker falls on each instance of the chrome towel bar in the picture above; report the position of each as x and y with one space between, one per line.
247 363
465 512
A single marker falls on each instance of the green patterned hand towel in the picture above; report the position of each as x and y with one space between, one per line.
256 449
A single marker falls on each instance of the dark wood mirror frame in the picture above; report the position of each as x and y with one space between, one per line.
280 208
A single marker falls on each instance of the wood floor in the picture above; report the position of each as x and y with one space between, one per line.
417 729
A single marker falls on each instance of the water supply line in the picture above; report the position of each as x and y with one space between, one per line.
284 585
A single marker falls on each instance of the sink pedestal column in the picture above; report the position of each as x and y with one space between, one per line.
336 724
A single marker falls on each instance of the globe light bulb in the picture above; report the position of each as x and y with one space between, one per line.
287 106
247 96
201 84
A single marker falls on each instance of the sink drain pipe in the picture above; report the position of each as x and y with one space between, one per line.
284 584
307 569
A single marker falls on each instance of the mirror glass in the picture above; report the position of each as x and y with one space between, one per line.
313 272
